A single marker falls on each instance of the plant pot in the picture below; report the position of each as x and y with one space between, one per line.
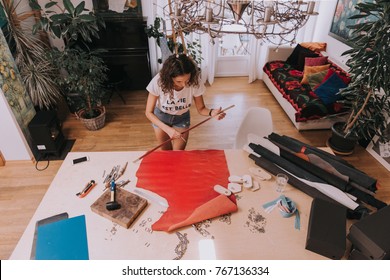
339 143
93 123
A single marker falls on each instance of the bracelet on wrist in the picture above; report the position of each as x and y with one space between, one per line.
210 112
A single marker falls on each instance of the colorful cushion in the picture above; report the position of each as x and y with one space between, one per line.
302 57
316 61
293 58
314 46
316 79
331 72
306 103
297 57
327 91
311 70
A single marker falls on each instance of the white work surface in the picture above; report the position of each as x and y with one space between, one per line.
249 233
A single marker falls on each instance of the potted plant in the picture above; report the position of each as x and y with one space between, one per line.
368 93
82 71
35 69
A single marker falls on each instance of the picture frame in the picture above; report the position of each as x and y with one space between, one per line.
131 8
340 22
380 151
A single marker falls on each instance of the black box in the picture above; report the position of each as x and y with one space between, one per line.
326 234
355 254
46 134
371 235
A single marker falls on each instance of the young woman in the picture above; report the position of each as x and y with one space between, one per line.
171 93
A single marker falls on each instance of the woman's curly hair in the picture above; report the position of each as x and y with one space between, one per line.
177 65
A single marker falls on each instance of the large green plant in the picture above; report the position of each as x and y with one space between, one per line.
82 71
368 94
35 69
70 23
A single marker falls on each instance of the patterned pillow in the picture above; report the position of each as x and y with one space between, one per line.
311 70
316 61
327 91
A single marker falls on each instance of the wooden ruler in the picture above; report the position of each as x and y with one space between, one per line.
170 139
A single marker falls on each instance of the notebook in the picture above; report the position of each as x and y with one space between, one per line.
63 240
45 221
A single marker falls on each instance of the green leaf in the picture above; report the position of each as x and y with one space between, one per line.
80 8
56 31
87 18
68 5
50 4
35 5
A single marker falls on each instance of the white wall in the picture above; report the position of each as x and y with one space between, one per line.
13 144
334 47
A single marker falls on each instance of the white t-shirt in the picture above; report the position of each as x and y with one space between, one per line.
181 101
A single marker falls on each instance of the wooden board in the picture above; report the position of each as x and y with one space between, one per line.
131 207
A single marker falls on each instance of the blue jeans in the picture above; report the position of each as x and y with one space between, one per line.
181 121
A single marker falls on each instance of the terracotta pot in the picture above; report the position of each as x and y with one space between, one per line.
339 143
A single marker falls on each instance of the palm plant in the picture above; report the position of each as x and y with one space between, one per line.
368 94
36 71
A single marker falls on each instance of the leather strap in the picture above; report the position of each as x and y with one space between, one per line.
287 208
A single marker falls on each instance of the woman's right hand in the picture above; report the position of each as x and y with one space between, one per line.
173 133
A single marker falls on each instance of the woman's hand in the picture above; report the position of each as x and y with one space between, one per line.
173 133
218 114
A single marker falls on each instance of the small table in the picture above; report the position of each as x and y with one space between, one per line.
249 233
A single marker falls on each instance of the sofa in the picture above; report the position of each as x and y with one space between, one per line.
306 88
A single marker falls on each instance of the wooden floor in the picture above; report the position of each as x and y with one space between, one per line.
127 129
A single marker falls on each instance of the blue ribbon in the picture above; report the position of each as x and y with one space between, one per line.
287 209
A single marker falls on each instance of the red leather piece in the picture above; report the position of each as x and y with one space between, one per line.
186 180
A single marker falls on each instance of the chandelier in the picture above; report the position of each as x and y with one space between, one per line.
276 21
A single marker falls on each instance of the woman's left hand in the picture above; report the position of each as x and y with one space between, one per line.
217 113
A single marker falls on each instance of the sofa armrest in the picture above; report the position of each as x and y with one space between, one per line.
278 53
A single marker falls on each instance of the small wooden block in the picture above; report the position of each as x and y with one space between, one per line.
131 207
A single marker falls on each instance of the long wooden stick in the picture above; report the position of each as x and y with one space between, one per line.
170 139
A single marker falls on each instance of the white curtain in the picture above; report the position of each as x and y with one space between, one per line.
253 63
209 54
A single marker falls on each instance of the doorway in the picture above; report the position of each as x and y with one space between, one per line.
233 56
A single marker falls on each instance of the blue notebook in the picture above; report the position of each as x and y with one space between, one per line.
63 240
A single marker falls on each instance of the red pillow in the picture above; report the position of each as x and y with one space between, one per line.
316 61
345 79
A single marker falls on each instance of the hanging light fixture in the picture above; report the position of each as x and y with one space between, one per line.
276 21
